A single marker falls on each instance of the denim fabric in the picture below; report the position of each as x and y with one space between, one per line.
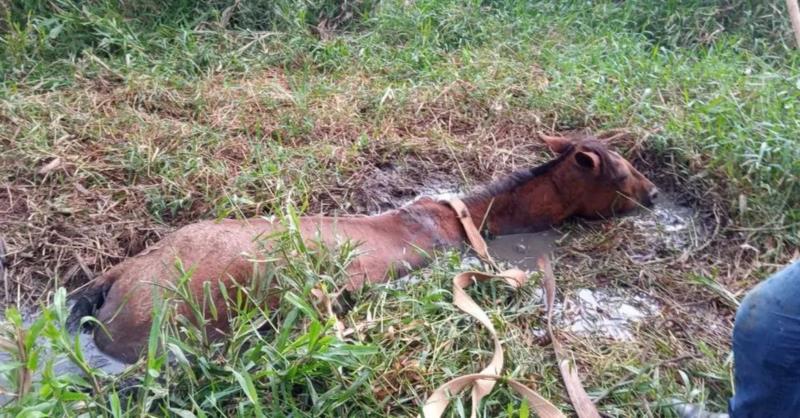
766 349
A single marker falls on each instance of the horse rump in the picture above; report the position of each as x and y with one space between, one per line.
85 303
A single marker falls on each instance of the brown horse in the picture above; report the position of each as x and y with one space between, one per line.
586 180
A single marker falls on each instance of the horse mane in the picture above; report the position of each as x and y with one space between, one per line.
518 178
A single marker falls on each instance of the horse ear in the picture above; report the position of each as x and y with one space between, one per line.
588 160
557 144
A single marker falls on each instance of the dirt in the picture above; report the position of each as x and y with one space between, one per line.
614 312
386 185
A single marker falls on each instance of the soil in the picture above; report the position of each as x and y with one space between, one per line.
616 277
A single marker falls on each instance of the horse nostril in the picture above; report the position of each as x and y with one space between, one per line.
653 193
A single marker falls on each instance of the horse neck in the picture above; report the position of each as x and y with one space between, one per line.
529 207
429 224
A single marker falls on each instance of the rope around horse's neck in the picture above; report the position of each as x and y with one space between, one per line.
483 382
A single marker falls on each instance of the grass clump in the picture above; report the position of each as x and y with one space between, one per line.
280 361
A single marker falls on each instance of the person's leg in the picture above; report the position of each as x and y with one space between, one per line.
766 349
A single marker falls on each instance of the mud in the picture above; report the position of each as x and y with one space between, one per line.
668 228
601 312
605 312
522 250
385 186
609 312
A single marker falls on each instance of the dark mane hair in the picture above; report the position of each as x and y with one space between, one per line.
516 179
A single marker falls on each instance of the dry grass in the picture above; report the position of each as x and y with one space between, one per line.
96 157
87 199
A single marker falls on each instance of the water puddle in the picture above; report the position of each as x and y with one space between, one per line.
614 313
604 312
94 357
522 250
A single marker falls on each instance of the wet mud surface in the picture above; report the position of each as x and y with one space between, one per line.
522 250
667 229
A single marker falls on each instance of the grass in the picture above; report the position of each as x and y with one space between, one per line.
123 120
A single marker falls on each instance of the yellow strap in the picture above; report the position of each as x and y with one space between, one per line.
584 406
482 383
473 235
438 401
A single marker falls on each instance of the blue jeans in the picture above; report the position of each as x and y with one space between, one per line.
766 349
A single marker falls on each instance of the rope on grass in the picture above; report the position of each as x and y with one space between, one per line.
483 382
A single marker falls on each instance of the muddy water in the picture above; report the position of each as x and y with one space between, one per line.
522 250
604 312
62 365
96 358
607 312
612 313
668 228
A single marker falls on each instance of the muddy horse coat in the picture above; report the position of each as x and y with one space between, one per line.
585 179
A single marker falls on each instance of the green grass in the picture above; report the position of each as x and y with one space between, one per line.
724 108
287 361
162 114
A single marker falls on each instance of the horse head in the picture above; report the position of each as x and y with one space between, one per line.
599 181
